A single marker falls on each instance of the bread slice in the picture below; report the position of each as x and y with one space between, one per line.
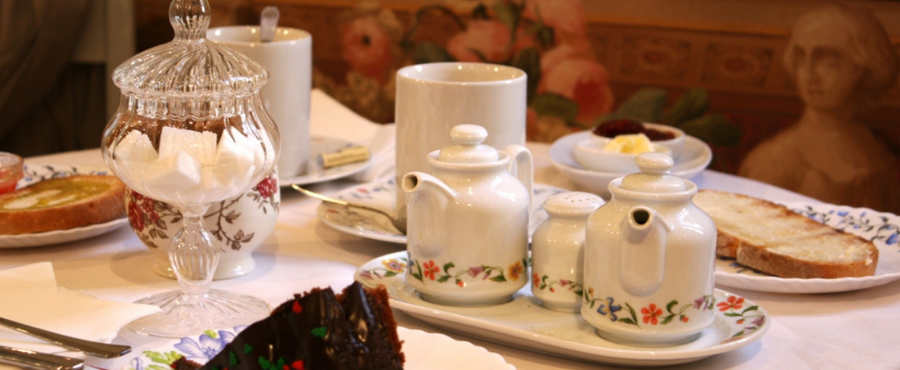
62 203
771 238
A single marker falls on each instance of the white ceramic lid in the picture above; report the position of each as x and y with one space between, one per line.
654 176
573 203
467 147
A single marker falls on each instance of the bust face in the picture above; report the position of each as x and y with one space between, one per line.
826 75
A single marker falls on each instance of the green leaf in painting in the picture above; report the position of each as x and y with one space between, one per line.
427 52
556 105
692 104
529 60
714 129
646 105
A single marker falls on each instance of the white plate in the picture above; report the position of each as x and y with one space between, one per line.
39 173
381 195
315 173
883 229
524 323
423 351
694 158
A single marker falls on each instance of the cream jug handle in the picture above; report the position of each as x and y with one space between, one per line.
642 251
522 167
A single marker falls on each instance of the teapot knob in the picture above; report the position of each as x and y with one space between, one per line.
468 134
654 163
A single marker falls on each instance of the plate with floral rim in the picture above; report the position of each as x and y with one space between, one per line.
37 173
315 172
382 195
882 229
423 351
524 323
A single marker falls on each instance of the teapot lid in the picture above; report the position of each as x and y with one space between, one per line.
654 176
468 147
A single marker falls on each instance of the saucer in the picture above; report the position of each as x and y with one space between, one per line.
381 195
524 323
315 173
694 158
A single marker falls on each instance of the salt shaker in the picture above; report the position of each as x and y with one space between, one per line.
557 250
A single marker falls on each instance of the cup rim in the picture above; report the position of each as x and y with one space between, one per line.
422 73
216 34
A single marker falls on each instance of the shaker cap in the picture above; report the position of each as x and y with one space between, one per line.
654 176
190 66
468 147
573 203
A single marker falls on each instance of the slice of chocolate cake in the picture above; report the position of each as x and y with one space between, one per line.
317 330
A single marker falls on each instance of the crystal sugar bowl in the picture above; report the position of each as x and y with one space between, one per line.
191 131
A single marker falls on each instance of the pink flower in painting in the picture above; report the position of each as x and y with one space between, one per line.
367 47
566 17
489 38
567 73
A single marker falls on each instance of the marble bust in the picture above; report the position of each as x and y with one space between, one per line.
842 62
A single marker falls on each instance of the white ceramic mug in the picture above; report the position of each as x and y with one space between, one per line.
433 98
288 58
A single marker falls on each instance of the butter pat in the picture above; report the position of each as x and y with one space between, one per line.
629 144
344 156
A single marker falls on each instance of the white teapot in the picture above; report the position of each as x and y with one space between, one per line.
649 259
467 225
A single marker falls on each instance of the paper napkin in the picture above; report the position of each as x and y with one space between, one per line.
30 296
330 118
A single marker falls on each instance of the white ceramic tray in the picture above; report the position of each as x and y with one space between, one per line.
524 323
883 229
423 351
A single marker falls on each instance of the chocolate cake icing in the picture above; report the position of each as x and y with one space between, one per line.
317 330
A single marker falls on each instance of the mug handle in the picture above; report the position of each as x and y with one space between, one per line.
522 166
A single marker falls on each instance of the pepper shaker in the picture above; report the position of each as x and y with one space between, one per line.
557 250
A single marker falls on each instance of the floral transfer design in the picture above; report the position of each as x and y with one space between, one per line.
391 267
150 219
551 285
879 228
651 314
200 349
750 318
430 271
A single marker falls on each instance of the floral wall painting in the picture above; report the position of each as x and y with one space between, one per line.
842 61
567 88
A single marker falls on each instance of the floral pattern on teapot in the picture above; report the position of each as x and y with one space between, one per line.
430 271
651 314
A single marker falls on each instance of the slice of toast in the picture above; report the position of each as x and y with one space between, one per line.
773 239
62 203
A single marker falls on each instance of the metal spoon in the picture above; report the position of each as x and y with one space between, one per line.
268 22
398 224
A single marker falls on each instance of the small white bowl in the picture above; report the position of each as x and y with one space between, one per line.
589 154
676 144
695 158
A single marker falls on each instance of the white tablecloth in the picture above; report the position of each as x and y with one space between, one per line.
853 330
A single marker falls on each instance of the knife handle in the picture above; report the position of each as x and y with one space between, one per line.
92 348
38 360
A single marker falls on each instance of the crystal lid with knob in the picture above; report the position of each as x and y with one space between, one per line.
468 147
654 176
190 126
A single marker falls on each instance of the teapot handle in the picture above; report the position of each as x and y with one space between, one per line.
522 167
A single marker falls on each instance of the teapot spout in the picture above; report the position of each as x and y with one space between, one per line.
415 182
642 251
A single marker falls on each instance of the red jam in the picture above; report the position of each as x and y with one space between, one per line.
627 126
10 172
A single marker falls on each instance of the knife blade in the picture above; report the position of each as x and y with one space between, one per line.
92 348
